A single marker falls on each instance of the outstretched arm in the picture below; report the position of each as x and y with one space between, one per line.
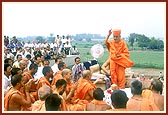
106 40
110 32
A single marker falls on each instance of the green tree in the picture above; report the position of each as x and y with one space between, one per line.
131 39
143 41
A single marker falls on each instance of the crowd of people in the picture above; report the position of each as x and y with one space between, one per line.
60 46
30 83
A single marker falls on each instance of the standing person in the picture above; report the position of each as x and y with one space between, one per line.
119 58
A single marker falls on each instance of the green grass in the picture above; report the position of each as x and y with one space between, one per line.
141 59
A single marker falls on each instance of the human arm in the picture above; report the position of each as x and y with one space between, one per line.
71 93
106 40
20 99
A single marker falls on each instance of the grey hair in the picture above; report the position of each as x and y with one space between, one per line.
44 92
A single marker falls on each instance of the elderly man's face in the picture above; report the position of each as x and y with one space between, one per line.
116 38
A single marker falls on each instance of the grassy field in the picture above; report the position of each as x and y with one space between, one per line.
142 59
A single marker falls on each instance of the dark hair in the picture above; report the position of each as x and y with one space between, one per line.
37 56
136 87
52 102
33 65
28 56
46 69
7 60
60 83
77 58
16 79
60 65
98 94
14 71
119 99
18 56
157 85
6 65
57 58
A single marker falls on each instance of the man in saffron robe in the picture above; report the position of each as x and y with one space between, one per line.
30 75
45 80
14 99
119 58
137 102
119 100
85 87
43 93
154 93
97 104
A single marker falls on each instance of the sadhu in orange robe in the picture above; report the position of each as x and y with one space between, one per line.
79 101
118 64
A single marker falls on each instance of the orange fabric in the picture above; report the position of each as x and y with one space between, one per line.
118 64
116 32
43 81
97 102
153 98
78 105
63 104
29 76
57 76
38 106
147 94
7 97
143 104
31 96
83 87
68 87
120 109
33 86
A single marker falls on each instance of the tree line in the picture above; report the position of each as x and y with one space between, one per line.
145 42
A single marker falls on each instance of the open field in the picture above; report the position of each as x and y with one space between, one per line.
142 59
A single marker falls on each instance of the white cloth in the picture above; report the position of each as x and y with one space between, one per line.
7 82
39 73
55 68
109 91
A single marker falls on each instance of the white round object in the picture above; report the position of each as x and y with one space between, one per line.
97 51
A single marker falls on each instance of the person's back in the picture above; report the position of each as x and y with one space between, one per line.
14 100
137 102
43 93
154 94
53 102
97 104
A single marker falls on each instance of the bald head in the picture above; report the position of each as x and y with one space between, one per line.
22 64
65 72
44 92
86 74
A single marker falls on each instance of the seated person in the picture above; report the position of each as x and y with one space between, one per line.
119 100
53 102
97 104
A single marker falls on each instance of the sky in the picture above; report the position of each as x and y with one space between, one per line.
23 19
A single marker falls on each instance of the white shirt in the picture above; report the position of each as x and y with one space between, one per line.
55 68
39 73
7 82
